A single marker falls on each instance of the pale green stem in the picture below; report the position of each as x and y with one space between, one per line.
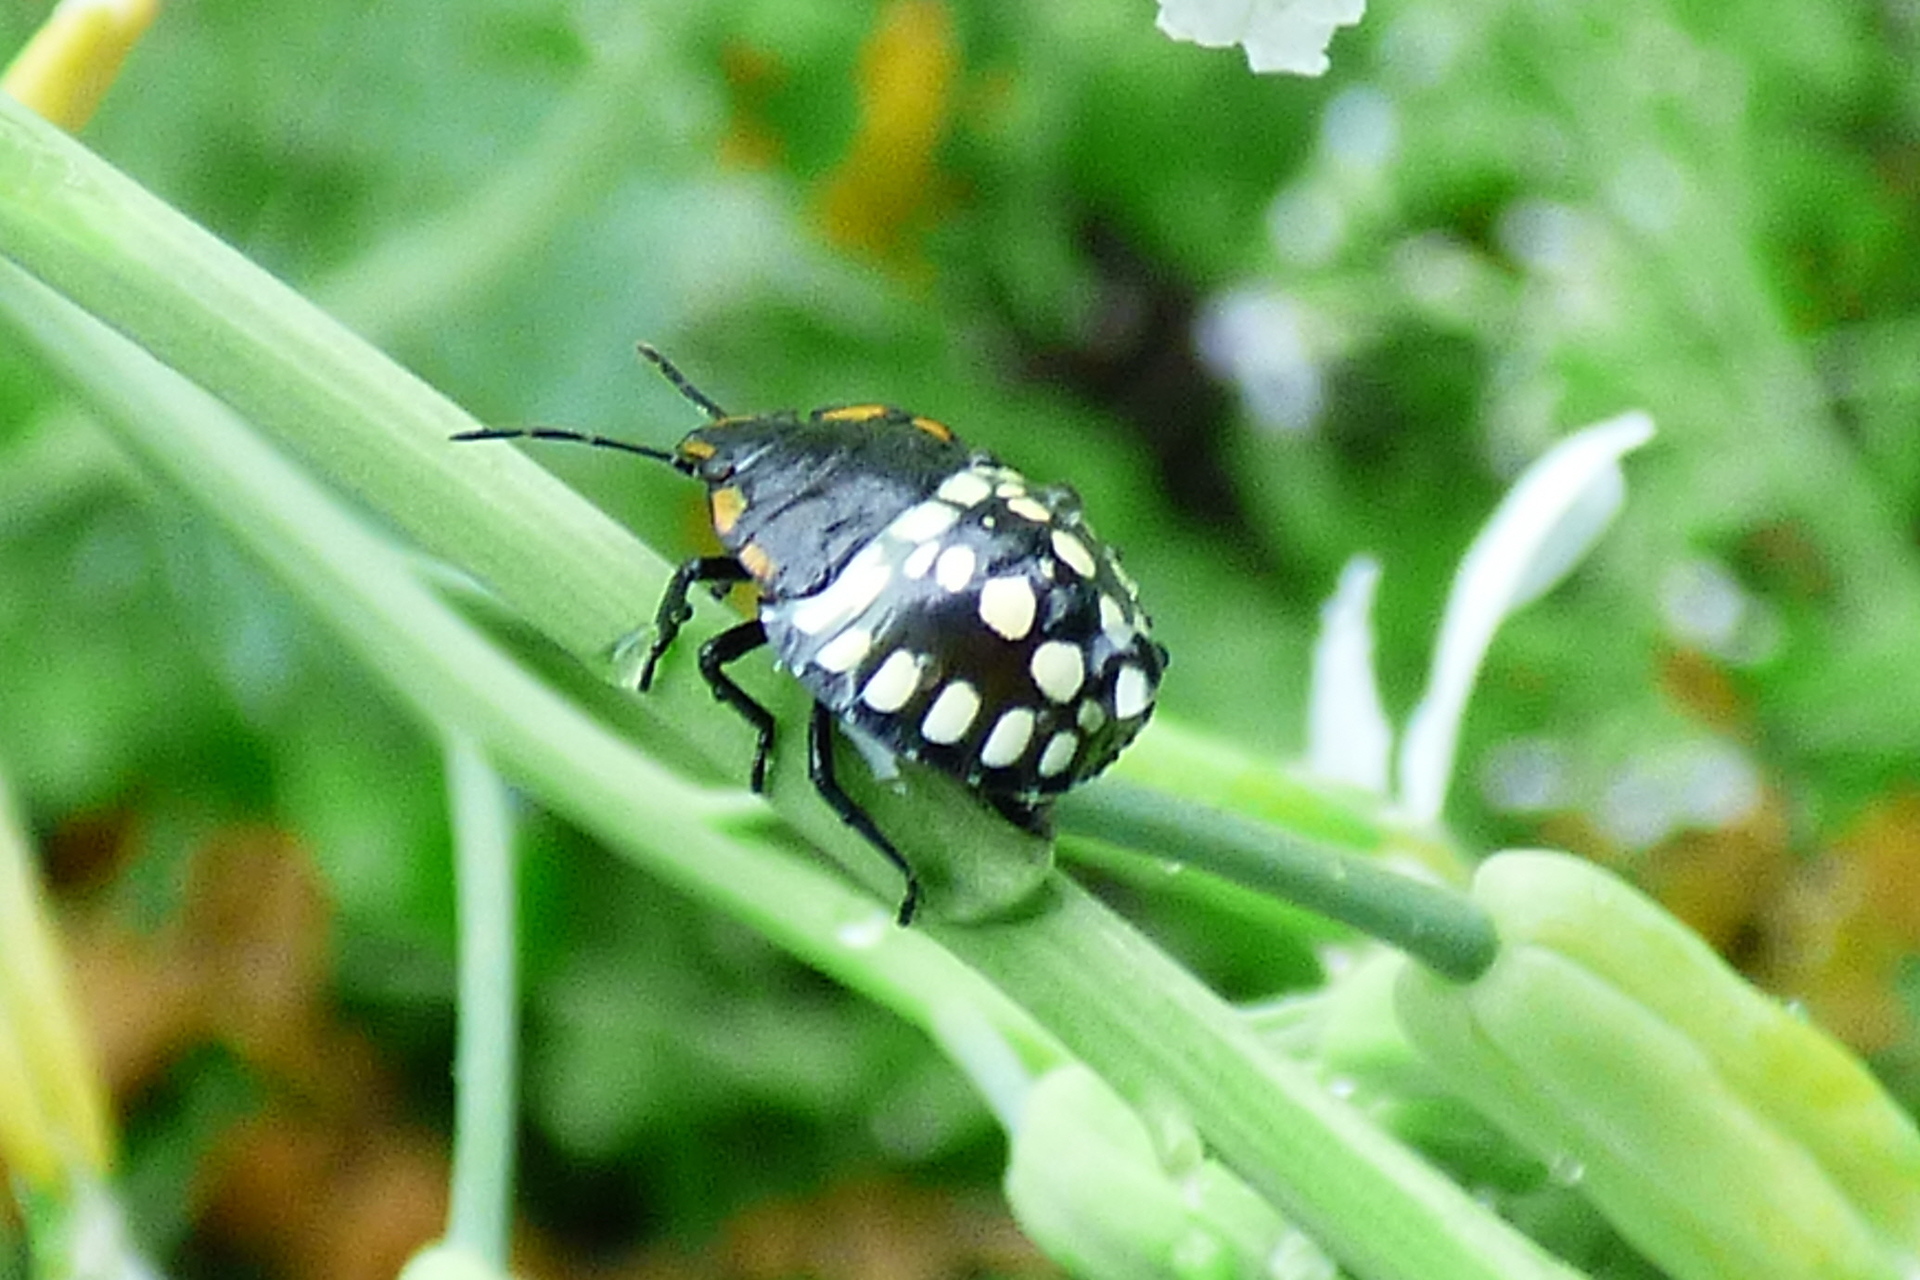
1440 927
487 1052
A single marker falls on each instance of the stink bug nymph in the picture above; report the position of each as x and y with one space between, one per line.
932 600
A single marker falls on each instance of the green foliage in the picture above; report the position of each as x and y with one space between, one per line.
1703 211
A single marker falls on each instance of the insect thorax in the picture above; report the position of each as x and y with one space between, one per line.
795 497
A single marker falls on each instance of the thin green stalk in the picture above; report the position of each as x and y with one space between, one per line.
1440 927
486 1054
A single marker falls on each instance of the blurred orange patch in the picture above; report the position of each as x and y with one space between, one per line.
1849 922
888 186
331 1176
1722 883
877 1229
1702 688
327 1178
753 75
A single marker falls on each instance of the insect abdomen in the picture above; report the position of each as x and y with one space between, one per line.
985 631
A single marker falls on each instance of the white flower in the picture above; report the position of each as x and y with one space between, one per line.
1547 522
1348 736
1278 35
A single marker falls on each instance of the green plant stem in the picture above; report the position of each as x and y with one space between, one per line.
380 434
1155 1032
1440 927
1081 976
1070 972
455 677
486 1054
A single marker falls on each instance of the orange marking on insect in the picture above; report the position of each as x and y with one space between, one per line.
854 413
698 450
727 504
758 562
938 430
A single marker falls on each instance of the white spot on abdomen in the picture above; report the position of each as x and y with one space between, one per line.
845 598
1007 605
889 688
954 570
928 520
1131 693
1059 753
1074 552
1059 669
1009 739
844 651
919 560
951 714
1027 509
965 488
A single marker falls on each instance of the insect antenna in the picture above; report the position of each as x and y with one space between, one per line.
566 437
667 369
671 373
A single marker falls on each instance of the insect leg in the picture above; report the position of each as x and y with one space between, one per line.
674 609
820 769
716 653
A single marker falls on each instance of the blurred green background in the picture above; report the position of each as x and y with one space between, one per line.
1261 323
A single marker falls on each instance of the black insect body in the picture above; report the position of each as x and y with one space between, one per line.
932 601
